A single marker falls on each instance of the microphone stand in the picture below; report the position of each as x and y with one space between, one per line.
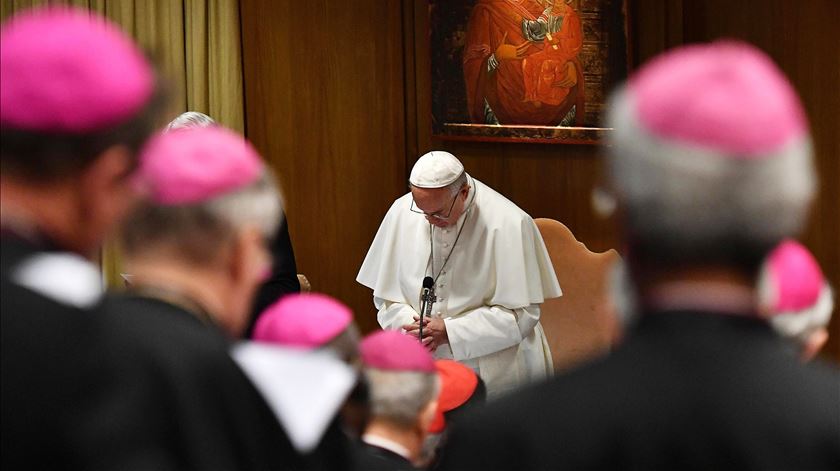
426 301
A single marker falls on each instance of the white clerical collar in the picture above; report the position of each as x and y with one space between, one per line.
304 389
64 277
386 444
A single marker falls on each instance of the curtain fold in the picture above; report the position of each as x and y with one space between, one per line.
197 46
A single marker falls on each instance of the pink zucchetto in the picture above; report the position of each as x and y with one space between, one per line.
794 278
728 96
710 146
307 321
394 351
69 71
194 165
795 297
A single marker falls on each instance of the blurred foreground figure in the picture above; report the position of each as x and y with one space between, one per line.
77 100
404 388
283 279
796 298
710 164
461 392
309 322
317 322
196 251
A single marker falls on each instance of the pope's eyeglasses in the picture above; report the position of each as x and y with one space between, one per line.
436 215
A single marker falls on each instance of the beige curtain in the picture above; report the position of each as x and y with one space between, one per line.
196 44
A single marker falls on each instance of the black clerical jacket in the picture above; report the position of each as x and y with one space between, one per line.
369 457
55 372
283 279
190 404
687 390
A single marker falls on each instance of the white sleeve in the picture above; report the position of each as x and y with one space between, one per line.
393 315
489 329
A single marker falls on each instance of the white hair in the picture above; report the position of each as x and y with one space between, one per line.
400 396
259 204
459 183
693 195
195 232
190 119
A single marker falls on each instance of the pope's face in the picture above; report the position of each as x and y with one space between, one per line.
441 207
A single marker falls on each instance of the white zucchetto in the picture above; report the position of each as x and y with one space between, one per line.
436 169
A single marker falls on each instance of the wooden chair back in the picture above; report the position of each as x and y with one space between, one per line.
579 325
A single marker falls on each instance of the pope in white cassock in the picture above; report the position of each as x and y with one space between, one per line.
490 269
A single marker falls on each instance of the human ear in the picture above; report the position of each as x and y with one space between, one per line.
427 415
244 264
250 258
814 344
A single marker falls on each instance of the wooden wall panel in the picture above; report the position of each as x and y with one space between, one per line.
324 105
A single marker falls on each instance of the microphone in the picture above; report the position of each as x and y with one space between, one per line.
425 301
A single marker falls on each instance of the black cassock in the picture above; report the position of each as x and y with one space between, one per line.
55 370
184 397
283 279
134 383
373 458
687 390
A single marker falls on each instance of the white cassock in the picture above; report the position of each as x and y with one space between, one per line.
488 292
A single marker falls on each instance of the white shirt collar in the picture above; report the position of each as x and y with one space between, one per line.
61 276
305 389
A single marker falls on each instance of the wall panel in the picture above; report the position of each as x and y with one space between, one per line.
324 104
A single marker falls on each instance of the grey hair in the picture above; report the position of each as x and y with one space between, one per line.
346 344
459 183
190 119
195 232
695 197
400 396
259 204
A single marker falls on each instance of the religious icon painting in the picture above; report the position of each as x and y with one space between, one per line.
525 70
